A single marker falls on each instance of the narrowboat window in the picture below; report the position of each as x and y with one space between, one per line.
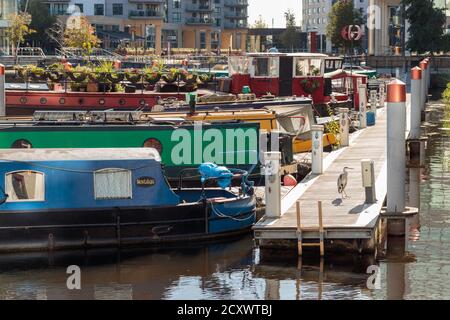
21 144
238 65
266 67
307 67
112 183
25 186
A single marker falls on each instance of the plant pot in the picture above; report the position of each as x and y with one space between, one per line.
92 87
130 89
104 87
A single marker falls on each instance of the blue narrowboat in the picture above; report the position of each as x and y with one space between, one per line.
72 198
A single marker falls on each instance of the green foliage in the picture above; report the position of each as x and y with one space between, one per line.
427 24
41 20
446 94
342 14
289 36
333 127
19 28
260 23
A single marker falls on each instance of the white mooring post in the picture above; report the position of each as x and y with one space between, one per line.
373 101
416 108
2 91
273 184
396 149
344 124
317 149
368 179
362 91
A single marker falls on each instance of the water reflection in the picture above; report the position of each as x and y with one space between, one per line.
414 267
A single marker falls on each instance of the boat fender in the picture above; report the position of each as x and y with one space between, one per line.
289 181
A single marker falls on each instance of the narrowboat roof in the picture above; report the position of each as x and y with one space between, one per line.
79 154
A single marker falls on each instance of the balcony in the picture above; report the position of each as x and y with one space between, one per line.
236 15
145 14
236 3
199 21
199 8
236 25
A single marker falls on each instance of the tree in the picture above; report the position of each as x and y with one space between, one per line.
289 36
41 21
18 29
426 30
79 33
260 23
342 14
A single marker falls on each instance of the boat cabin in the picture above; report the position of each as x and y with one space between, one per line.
70 198
50 179
285 74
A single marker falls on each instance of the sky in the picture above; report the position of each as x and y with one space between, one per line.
275 9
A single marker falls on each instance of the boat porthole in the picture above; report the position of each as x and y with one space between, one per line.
153 143
142 102
21 144
122 102
23 100
62 101
80 101
43 101
101 102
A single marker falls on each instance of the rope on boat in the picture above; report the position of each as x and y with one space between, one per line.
222 215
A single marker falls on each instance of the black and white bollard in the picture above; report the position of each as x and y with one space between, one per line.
317 149
368 179
273 184
362 92
344 127
396 149
2 91
416 108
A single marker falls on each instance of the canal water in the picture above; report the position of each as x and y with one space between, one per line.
235 269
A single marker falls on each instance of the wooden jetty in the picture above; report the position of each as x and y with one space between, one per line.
348 224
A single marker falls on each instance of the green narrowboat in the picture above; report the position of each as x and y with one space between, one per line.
181 144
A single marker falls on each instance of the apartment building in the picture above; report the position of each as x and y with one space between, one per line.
158 24
7 7
315 19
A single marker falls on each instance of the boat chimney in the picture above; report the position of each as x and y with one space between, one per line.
192 104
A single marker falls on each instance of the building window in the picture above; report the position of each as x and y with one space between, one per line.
117 9
176 16
25 186
176 4
99 9
112 183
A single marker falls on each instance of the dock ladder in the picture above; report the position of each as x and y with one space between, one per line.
301 230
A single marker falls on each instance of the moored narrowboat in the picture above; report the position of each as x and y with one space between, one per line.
182 144
72 198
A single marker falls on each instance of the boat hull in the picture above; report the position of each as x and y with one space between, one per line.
91 228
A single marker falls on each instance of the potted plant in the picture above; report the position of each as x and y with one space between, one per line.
310 85
171 76
133 76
